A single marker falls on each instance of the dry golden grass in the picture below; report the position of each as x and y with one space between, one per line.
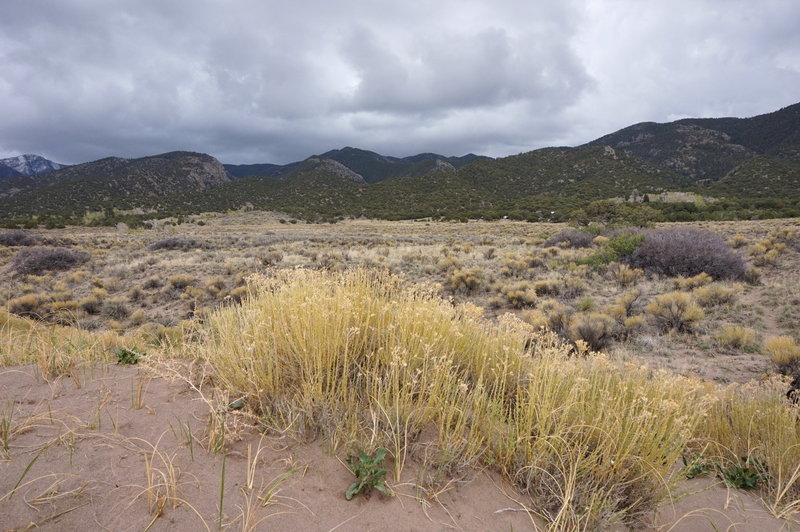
367 360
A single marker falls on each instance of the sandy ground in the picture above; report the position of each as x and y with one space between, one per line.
115 448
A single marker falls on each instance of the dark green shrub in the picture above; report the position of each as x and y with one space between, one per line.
618 248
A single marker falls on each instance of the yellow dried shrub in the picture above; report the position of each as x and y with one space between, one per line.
466 280
715 294
623 275
735 336
596 329
674 311
784 352
689 283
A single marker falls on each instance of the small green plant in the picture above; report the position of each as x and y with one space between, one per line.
127 356
368 472
746 474
615 249
696 467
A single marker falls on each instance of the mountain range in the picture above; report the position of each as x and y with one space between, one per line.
27 164
371 166
735 160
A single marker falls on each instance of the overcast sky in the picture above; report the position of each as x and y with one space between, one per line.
276 81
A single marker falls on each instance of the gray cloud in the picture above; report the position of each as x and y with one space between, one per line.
269 81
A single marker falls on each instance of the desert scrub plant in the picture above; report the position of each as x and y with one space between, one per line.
135 294
626 304
137 318
181 281
551 315
17 238
788 236
63 312
595 328
520 294
631 326
784 353
215 286
623 275
766 252
735 337
237 294
365 359
571 238
534 260
513 267
687 251
467 280
38 260
690 283
116 309
271 258
90 304
177 243
585 304
448 263
715 294
674 311
29 305
559 315
547 287
572 286
738 241
194 293
152 283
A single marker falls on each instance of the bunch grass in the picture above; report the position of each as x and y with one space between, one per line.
367 360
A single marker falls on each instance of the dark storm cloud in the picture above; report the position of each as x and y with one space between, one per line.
268 81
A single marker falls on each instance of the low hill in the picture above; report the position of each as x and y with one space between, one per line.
710 148
111 179
759 177
371 166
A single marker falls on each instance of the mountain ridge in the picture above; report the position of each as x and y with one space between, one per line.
27 164
371 166
748 163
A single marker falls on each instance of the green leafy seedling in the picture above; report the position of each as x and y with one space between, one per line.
746 474
236 405
368 472
127 356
